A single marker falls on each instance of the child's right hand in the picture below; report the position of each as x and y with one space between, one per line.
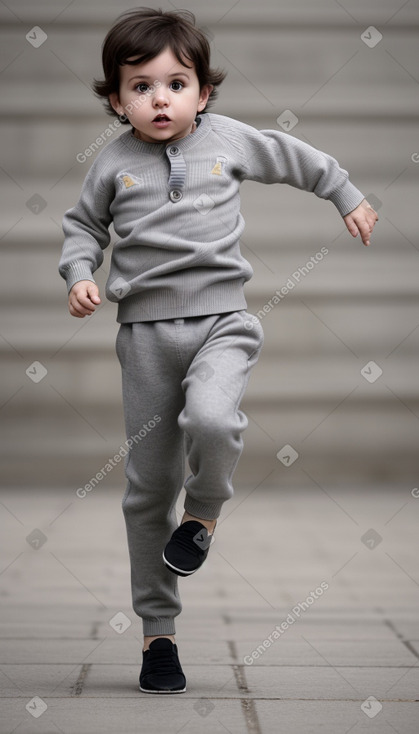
82 298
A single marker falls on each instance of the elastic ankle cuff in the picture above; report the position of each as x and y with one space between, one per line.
204 510
158 626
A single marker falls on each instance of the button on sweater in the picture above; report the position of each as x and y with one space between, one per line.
175 209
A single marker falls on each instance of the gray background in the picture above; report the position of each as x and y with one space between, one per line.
344 512
359 104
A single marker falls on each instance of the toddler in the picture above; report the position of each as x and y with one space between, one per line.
186 342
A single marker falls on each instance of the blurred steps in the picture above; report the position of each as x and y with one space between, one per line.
357 305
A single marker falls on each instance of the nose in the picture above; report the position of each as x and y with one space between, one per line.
160 99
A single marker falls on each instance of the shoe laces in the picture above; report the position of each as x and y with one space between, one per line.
164 661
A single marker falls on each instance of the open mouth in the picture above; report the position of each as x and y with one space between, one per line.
161 118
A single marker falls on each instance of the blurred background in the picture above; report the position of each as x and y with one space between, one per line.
337 381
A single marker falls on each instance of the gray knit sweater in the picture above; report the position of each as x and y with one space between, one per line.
176 210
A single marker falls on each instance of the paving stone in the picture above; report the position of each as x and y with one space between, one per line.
28 680
126 649
48 615
340 683
57 641
320 630
143 712
49 652
201 680
46 630
331 717
324 652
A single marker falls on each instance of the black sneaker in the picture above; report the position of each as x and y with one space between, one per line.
188 548
161 671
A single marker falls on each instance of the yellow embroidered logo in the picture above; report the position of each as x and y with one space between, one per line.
219 167
127 180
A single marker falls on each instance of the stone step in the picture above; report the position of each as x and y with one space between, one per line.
293 376
294 326
52 152
338 272
75 100
101 13
66 445
271 225
268 210
331 71
239 50
357 103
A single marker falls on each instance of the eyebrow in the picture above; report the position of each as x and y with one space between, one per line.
147 78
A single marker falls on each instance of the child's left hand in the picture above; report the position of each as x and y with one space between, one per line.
361 221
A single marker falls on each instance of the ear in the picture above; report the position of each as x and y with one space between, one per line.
203 96
115 103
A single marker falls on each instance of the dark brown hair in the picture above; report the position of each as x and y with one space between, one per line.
144 33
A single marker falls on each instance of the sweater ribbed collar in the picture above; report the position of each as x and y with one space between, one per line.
189 141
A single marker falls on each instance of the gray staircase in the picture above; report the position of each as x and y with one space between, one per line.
358 305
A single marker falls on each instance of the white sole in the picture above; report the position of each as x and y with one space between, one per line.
146 690
179 571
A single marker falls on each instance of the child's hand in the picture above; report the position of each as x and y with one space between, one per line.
82 296
361 221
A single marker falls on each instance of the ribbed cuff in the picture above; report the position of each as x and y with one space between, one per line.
347 198
158 626
206 510
77 271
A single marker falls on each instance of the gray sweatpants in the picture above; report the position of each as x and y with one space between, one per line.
183 381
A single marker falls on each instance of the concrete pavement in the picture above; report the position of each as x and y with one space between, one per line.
304 618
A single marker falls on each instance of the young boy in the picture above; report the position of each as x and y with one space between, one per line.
186 343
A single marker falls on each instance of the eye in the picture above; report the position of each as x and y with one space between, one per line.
142 87
176 86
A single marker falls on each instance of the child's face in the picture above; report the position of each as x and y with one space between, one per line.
178 98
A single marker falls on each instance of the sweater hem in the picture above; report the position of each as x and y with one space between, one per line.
156 306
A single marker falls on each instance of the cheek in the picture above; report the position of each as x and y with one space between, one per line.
191 99
134 104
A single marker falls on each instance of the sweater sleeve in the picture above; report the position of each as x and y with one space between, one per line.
272 156
86 230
